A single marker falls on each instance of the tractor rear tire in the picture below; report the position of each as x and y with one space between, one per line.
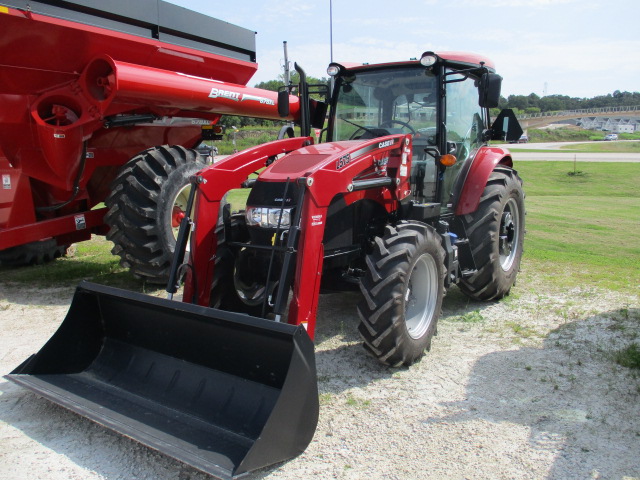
402 293
147 199
34 253
496 236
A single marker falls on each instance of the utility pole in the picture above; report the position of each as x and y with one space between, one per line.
333 79
331 30
287 78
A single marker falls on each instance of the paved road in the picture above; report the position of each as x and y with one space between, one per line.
567 156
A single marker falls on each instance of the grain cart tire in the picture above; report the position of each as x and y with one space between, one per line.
496 235
146 205
402 292
34 253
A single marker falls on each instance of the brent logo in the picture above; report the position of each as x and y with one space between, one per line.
220 93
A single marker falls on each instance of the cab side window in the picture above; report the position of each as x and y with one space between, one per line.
464 127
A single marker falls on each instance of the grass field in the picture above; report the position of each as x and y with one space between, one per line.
591 147
599 147
582 229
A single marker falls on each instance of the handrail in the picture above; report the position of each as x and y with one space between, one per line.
576 113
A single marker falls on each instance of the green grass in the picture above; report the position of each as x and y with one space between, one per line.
583 229
238 198
628 357
573 134
470 317
603 147
90 260
246 137
593 147
599 179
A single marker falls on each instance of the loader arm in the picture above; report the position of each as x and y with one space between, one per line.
336 171
354 169
217 180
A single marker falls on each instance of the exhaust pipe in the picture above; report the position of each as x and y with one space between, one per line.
223 392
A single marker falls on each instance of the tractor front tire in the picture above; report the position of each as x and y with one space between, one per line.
402 293
147 200
496 236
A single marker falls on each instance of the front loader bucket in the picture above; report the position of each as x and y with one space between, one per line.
223 392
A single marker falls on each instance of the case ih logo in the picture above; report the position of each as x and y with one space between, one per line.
386 143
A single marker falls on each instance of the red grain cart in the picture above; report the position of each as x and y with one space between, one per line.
103 102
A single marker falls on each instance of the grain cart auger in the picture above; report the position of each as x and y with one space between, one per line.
404 199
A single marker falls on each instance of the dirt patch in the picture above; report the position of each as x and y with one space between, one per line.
519 389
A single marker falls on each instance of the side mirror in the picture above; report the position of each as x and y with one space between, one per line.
318 113
489 90
506 127
283 103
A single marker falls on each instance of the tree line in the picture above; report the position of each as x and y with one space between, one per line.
532 103
529 104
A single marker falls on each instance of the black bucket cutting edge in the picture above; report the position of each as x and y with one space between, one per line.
223 392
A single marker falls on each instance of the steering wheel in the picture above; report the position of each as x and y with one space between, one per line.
373 132
388 123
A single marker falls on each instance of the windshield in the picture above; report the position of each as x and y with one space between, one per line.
383 102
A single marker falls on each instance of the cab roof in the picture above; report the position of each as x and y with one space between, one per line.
453 59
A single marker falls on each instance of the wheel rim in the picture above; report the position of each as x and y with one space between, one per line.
179 210
509 234
421 296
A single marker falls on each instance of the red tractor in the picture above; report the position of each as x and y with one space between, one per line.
403 200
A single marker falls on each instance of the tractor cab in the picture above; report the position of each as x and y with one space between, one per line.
442 100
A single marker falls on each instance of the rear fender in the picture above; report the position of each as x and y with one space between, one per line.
483 164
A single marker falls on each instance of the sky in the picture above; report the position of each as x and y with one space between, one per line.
579 48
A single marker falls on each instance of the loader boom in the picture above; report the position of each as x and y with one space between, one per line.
322 171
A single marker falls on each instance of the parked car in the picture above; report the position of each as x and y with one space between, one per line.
611 136
208 153
522 139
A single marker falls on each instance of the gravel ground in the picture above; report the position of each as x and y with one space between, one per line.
525 388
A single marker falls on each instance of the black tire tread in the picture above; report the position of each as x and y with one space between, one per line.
34 253
482 227
133 219
381 309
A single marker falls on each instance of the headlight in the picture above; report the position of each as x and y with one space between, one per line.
274 217
254 216
268 217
